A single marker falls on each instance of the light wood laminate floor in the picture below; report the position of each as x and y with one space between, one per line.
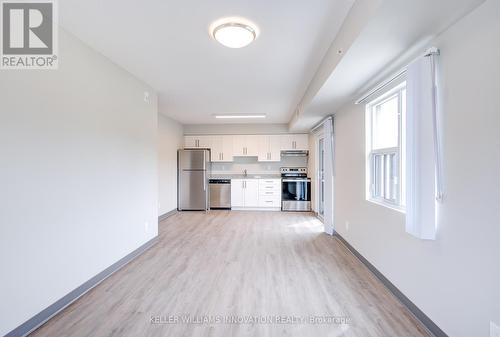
238 265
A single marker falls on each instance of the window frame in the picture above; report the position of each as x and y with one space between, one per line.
372 195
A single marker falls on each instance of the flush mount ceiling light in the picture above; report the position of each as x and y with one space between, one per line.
235 116
234 32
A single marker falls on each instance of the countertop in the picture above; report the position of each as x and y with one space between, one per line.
242 176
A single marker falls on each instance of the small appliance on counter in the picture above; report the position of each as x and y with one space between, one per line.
295 189
193 171
220 193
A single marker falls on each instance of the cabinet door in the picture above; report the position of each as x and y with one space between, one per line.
264 153
287 142
197 142
216 149
237 193
301 142
251 193
275 148
190 141
227 148
239 145
204 141
252 145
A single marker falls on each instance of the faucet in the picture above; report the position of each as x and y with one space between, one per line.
245 172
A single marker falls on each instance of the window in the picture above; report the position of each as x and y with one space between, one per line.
384 139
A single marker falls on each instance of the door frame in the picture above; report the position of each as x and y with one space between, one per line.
318 137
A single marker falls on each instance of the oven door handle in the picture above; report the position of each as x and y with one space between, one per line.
295 180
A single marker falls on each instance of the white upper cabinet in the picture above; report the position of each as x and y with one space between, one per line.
222 148
197 142
270 148
266 147
246 145
295 142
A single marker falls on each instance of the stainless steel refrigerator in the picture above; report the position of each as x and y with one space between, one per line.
192 178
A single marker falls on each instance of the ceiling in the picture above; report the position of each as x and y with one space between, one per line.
396 32
166 44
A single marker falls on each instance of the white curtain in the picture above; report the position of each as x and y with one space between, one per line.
423 189
329 177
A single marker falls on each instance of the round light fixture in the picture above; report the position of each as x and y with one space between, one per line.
234 32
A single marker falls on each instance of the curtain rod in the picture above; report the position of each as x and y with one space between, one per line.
402 72
320 123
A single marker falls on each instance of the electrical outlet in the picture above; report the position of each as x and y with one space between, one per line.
147 97
494 330
146 226
347 224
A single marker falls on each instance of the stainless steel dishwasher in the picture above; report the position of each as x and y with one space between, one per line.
220 193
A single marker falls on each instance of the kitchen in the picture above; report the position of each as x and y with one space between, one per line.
264 172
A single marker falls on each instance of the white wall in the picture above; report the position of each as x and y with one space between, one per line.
170 139
78 176
455 279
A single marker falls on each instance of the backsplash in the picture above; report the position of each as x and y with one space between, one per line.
255 167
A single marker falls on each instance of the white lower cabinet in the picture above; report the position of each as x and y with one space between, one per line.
256 193
251 193
244 193
237 193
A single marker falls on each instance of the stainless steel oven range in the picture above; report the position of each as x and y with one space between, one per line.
295 189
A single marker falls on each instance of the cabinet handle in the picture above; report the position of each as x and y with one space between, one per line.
269 192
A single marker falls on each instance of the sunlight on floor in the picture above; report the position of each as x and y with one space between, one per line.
312 225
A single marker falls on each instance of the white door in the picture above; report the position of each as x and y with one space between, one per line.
237 193
251 193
